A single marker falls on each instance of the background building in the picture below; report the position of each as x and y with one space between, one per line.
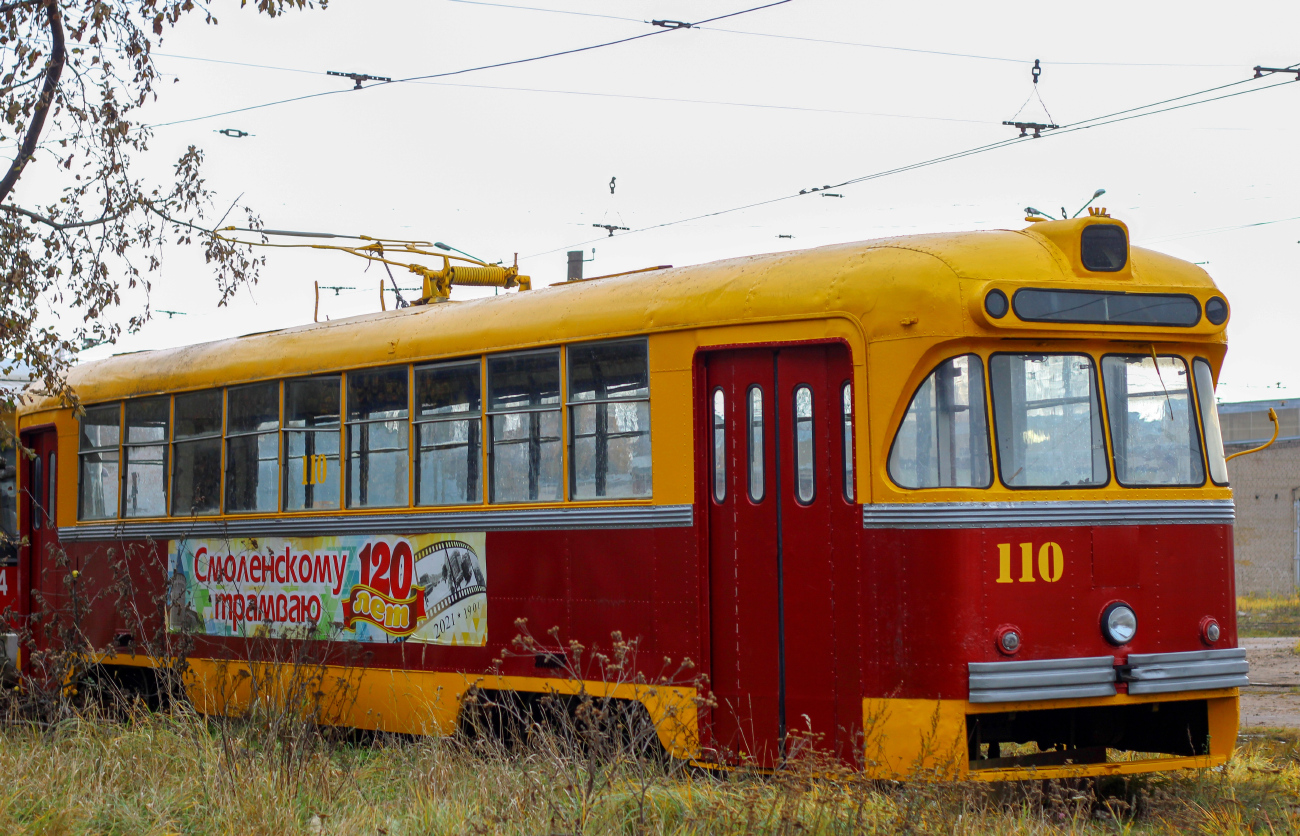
1266 488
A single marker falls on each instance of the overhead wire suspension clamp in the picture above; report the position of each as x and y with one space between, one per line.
359 77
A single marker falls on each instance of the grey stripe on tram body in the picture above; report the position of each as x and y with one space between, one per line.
528 519
1046 514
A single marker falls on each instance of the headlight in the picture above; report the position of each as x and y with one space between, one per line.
1119 624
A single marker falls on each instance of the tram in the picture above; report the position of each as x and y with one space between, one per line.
954 504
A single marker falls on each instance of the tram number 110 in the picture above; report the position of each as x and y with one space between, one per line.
315 470
1051 563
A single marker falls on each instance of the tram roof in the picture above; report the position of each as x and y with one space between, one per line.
869 280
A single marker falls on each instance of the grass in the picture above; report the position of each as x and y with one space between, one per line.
179 773
1258 617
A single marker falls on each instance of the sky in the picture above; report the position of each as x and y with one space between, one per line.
519 159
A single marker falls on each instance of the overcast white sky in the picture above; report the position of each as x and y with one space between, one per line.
519 159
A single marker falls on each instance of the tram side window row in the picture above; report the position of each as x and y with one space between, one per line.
390 437
1047 421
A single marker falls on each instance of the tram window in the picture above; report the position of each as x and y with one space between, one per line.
524 411
311 443
805 484
846 407
8 502
943 441
1210 421
38 513
196 454
100 433
609 420
448 404
719 446
1152 426
1048 421
252 447
144 451
754 422
378 438
50 492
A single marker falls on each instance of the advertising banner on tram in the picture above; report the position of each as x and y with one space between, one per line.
429 588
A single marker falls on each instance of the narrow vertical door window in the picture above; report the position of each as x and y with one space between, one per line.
805 482
49 479
754 424
34 493
846 401
719 446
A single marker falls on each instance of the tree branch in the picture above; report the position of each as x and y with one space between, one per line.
58 57
50 222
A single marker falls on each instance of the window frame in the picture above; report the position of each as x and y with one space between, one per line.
284 430
1198 443
719 497
749 444
115 448
226 435
1103 419
1200 416
848 434
570 427
811 420
558 407
345 450
219 434
480 416
124 459
989 429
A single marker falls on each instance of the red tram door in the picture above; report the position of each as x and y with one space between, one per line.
48 568
784 579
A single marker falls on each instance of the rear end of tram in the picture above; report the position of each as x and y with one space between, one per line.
946 506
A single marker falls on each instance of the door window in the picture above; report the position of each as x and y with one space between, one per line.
805 486
719 446
754 433
846 410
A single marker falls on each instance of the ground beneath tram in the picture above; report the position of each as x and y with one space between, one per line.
1273 698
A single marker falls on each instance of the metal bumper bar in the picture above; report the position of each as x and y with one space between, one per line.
1160 673
1042 679
1095 676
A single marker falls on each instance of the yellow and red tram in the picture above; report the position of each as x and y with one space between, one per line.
955 504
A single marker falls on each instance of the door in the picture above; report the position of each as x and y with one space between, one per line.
784 585
48 576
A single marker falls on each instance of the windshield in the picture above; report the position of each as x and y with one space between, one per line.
943 441
1152 425
1048 420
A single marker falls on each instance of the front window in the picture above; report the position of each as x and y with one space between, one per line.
944 441
1210 421
1152 425
1048 421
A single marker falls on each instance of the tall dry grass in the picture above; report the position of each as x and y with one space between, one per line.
175 772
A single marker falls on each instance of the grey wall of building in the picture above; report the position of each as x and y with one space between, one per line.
1264 536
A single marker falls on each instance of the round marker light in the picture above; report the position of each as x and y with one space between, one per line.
1119 624
996 304
1216 310
1210 630
1008 640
